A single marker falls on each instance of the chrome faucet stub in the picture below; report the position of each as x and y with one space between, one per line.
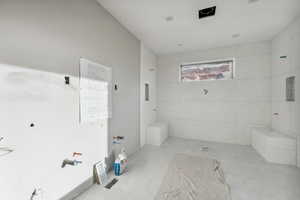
70 162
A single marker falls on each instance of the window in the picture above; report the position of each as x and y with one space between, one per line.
211 70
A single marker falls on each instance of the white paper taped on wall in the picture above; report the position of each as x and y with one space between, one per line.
95 92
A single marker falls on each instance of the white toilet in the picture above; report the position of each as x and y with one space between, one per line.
157 133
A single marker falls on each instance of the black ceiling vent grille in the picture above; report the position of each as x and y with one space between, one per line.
207 12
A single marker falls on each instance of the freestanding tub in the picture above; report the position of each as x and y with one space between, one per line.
275 147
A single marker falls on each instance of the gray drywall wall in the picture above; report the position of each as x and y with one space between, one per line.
286 63
44 41
231 107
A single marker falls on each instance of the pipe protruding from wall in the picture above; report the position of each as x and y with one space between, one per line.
70 162
36 194
77 154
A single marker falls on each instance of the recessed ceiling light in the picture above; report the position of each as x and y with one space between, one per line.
169 18
237 35
252 1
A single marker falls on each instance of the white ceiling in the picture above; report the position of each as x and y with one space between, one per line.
257 21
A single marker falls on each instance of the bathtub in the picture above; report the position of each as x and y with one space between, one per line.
274 146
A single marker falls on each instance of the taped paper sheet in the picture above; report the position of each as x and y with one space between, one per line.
95 92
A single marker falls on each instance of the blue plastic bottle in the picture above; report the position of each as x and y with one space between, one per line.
117 167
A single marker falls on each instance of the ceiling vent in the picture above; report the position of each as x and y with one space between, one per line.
207 12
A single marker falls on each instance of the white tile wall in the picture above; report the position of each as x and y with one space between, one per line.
287 43
231 107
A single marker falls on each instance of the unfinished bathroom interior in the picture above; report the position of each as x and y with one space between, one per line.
149 100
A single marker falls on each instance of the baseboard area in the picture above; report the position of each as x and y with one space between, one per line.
79 189
89 182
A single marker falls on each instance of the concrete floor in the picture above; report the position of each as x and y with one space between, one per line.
250 177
